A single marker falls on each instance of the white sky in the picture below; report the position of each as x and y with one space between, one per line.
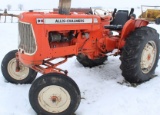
49 4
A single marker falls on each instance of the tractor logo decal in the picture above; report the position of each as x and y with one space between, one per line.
67 20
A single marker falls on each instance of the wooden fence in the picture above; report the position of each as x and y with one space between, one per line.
5 15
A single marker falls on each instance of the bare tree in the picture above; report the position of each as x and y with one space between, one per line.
20 6
9 7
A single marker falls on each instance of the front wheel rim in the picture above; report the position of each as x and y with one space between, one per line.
21 74
54 99
148 57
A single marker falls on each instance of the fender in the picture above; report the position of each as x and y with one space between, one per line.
129 27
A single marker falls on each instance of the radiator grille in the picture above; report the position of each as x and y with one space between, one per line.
26 36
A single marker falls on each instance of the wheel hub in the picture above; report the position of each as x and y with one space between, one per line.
54 99
148 56
21 74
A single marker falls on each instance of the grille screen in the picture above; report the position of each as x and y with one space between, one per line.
27 40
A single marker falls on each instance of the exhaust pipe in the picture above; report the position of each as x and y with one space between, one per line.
64 7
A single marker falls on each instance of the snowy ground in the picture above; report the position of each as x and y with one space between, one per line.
101 87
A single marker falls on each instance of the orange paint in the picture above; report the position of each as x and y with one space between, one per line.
64 36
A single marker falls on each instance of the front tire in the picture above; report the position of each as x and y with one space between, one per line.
54 94
140 55
8 68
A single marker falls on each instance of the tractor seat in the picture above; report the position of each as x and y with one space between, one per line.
118 21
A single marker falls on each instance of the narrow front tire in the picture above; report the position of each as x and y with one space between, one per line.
54 94
8 67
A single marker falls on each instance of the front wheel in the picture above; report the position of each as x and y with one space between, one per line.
54 94
140 55
8 68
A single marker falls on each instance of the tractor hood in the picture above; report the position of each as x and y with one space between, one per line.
73 21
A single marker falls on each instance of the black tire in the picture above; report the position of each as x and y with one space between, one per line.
44 84
133 62
159 45
157 21
86 62
8 69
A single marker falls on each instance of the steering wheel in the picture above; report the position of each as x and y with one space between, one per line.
106 13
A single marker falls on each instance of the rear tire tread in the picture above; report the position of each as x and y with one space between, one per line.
130 58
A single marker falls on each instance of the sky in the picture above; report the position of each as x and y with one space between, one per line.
50 4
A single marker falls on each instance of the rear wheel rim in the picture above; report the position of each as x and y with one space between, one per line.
54 99
148 57
20 75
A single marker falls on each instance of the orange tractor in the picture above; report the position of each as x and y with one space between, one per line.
47 40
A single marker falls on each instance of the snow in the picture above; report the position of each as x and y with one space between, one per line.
103 89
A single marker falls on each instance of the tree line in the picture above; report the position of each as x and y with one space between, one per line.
9 7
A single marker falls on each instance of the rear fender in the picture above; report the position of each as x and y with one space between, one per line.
130 26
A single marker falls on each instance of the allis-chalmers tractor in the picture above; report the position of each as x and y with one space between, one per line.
45 37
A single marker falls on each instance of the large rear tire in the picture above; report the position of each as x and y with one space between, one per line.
8 68
157 21
86 62
54 94
140 55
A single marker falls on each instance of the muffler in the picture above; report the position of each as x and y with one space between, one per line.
64 7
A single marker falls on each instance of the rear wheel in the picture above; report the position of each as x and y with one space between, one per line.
86 62
140 55
157 21
54 94
8 67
